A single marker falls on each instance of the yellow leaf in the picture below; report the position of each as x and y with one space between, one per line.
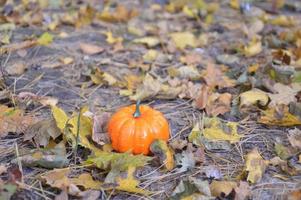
215 132
149 41
253 48
218 188
160 149
234 4
86 180
67 60
60 117
279 118
183 39
253 97
130 183
111 39
283 20
45 39
150 55
255 166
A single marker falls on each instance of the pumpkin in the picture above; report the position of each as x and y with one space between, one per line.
134 128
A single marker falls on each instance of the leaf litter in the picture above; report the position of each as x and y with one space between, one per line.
225 74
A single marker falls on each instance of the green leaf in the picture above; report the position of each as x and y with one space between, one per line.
45 39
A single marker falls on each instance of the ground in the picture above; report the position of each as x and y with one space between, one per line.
202 64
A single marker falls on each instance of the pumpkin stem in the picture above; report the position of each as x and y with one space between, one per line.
137 112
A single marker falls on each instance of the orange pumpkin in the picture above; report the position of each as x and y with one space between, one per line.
134 128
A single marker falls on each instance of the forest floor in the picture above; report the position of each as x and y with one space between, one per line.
227 78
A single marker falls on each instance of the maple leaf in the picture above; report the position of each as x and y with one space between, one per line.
255 166
14 120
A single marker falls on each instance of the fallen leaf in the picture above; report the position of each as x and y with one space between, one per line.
160 149
186 160
13 120
149 88
255 166
17 46
253 97
227 59
60 117
130 183
283 20
284 94
117 161
191 189
218 104
183 39
17 68
45 39
279 117
85 180
111 39
150 55
253 48
282 151
294 138
191 59
42 131
222 188
149 41
44 100
243 191
67 60
47 158
185 72
99 134
213 77
119 14
215 130
90 49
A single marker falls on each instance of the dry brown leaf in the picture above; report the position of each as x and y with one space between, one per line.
294 138
14 120
202 98
218 104
44 100
120 14
284 94
3 169
17 68
99 134
90 49
42 131
191 59
242 191
214 77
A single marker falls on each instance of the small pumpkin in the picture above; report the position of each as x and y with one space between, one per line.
134 128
